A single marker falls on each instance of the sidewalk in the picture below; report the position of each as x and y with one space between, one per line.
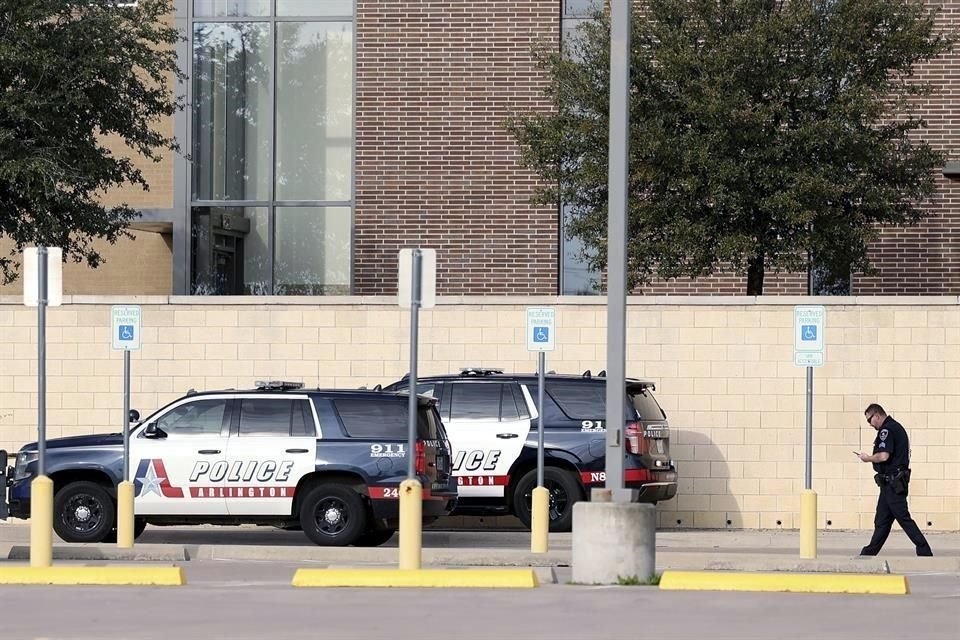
741 550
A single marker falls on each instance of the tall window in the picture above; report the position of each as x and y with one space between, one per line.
272 147
576 276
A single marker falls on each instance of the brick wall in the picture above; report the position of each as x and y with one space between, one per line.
435 168
723 368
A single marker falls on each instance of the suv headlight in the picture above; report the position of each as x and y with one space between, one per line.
23 459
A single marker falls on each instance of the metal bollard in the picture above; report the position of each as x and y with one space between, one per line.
41 522
411 523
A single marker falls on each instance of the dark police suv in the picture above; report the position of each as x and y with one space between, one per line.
327 461
491 418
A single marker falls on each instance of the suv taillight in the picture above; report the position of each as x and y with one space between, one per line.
420 461
633 435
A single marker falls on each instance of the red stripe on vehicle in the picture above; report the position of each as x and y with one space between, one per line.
242 492
629 475
393 493
483 481
169 491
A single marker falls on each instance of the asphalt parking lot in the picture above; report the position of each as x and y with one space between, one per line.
253 599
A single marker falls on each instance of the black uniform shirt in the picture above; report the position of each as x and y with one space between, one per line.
892 439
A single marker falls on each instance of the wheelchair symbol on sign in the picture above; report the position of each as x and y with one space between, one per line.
541 334
809 332
126 332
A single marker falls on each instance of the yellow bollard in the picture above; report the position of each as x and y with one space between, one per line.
808 524
41 522
125 515
411 523
540 520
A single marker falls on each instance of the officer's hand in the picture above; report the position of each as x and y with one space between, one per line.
864 457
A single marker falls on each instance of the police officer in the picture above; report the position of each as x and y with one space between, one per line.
891 462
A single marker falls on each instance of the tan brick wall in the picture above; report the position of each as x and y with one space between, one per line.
142 265
723 369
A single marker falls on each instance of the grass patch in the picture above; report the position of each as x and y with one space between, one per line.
623 581
634 581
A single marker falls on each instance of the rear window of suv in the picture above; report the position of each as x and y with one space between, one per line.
577 400
588 401
386 418
645 404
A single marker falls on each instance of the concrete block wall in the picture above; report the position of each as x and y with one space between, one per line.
723 368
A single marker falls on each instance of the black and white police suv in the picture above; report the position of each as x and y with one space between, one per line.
327 461
491 418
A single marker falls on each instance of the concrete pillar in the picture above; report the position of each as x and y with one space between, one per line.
613 541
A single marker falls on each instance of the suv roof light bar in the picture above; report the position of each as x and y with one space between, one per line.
277 385
479 371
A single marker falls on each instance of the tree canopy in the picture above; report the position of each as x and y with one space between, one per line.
74 73
760 130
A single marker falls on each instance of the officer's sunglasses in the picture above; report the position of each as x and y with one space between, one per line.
870 418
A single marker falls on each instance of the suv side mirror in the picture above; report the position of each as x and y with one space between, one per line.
134 416
153 431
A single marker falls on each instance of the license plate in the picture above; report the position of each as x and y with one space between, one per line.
657 434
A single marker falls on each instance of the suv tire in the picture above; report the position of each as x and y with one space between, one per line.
564 492
333 515
83 512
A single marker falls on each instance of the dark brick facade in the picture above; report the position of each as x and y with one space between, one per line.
435 168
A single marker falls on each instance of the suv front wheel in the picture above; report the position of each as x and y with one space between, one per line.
564 492
83 512
333 515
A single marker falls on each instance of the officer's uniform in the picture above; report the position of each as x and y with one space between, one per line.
893 477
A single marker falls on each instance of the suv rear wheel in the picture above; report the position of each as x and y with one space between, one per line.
564 492
333 515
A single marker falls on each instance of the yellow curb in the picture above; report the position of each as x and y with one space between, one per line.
792 582
475 578
155 576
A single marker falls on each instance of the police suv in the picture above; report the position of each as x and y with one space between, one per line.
327 461
491 418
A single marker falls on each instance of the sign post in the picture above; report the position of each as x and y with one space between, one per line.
541 337
42 288
416 288
808 351
125 334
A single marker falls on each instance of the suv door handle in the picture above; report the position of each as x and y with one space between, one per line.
298 451
209 452
507 436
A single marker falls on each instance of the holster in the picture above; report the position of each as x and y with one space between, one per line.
900 481
880 479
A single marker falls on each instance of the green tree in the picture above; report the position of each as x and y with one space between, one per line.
760 130
74 73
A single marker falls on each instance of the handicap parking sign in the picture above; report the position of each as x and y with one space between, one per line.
808 332
541 322
126 321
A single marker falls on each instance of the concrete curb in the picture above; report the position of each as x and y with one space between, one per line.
142 553
784 582
666 560
418 578
139 576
